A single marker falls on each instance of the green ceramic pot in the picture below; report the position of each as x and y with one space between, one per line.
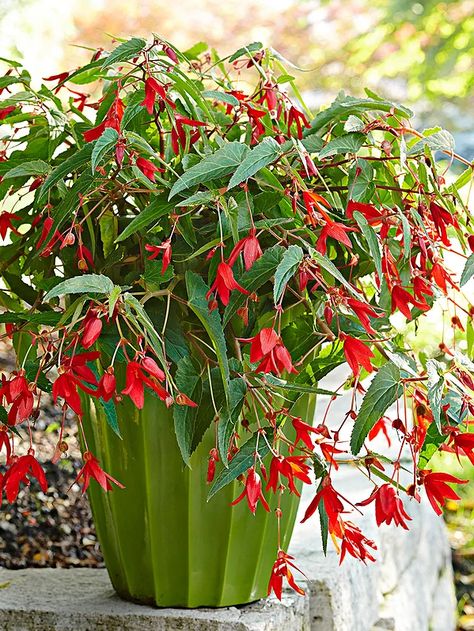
163 543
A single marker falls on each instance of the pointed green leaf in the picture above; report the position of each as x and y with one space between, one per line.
229 416
384 390
222 162
286 269
260 156
85 284
69 165
468 271
435 386
102 146
189 381
157 208
348 143
124 52
371 239
242 461
33 168
197 290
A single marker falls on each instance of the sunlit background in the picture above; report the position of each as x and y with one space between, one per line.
416 52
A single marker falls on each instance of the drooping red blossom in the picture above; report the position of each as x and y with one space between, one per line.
314 202
252 492
148 168
363 311
224 283
249 247
355 543
178 133
372 214
357 354
92 328
437 489
107 384
388 506
281 570
401 300
442 218
332 504
6 224
6 111
23 469
267 348
463 444
61 77
441 277
136 380
211 466
152 90
290 467
112 119
302 432
299 119
18 393
92 470
162 249
73 371
183 399
5 443
380 426
329 451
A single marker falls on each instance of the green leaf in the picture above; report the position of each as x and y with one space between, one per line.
221 96
286 269
246 50
197 290
103 146
260 273
229 416
222 162
329 266
260 156
435 386
276 382
433 440
69 165
323 521
31 370
468 271
111 415
108 225
361 181
113 297
85 284
33 168
189 381
384 390
353 123
124 52
348 143
157 208
438 141
242 461
371 239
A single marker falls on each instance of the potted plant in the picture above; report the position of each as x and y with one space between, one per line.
187 252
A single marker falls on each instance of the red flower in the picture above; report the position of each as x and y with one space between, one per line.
92 469
290 467
152 89
164 249
148 168
302 432
441 219
295 116
372 214
178 134
19 393
92 328
112 119
329 451
267 348
5 442
440 276
281 570
224 283
136 381
6 223
388 506
357 354
401 299
331 228
183 399
355 543
107 384
21 469
380 426
464 444
253 492
437 489
250 248
332 504
6 111
72 372
362 311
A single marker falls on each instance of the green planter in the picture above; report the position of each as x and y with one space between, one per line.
163 543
